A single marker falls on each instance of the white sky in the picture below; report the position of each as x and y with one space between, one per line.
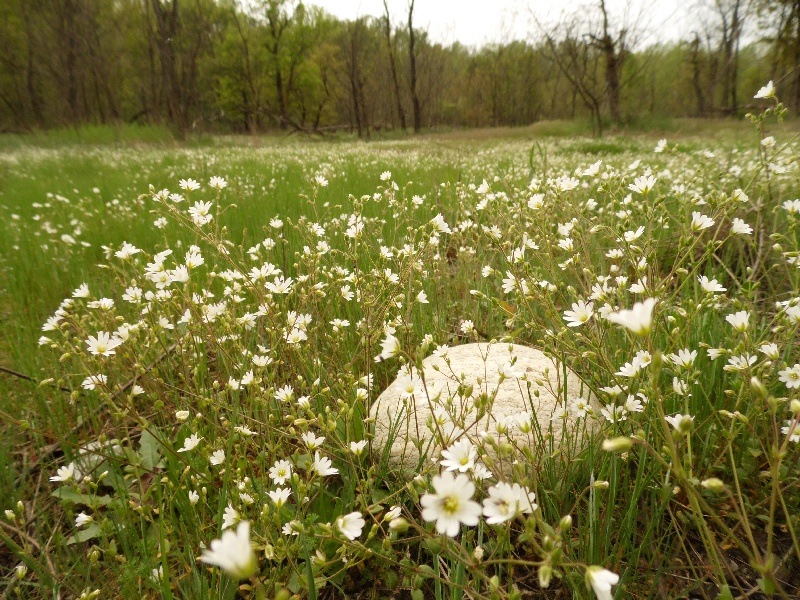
477 22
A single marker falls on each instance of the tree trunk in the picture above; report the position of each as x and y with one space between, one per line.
696 76
102 90
612 75
284 117
353 78
33 95
251 102
796 65
614 54
393 67
167 26
736 25
277 26
151 103
68 31
412 58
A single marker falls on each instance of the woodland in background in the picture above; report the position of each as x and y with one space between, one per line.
258 65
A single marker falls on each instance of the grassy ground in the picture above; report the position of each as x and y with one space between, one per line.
65 196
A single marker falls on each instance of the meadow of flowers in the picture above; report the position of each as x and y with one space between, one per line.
226 316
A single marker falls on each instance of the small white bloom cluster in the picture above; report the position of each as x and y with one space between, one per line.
451 505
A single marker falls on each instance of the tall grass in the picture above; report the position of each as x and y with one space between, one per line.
121 133
487 231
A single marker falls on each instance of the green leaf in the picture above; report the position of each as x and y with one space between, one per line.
725 593
92 531
70 495
767 585
390 578
294 583
149 450
507 308
310 581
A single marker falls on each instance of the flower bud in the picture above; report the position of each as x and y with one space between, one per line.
617 444
20 571
566 523
713 484
506 449
545 575
758 387
400 525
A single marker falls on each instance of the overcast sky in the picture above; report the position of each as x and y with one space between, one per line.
477 22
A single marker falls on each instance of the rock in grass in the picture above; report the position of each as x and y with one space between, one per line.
511 392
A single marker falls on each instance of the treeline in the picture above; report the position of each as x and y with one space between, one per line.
256 65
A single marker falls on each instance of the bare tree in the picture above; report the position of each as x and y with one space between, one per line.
614 50
721 25
583 46
731 15
704 60
577 60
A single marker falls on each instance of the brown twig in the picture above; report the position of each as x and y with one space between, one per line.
19 375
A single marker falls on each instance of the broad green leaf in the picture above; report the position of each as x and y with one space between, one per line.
70 495
92 531
149 450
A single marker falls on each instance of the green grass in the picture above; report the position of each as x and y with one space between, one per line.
648 519
104 135
265 186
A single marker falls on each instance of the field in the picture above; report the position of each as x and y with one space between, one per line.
192 336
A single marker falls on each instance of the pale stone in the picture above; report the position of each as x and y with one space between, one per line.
509 380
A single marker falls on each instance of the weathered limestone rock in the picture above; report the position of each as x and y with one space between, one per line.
508 392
